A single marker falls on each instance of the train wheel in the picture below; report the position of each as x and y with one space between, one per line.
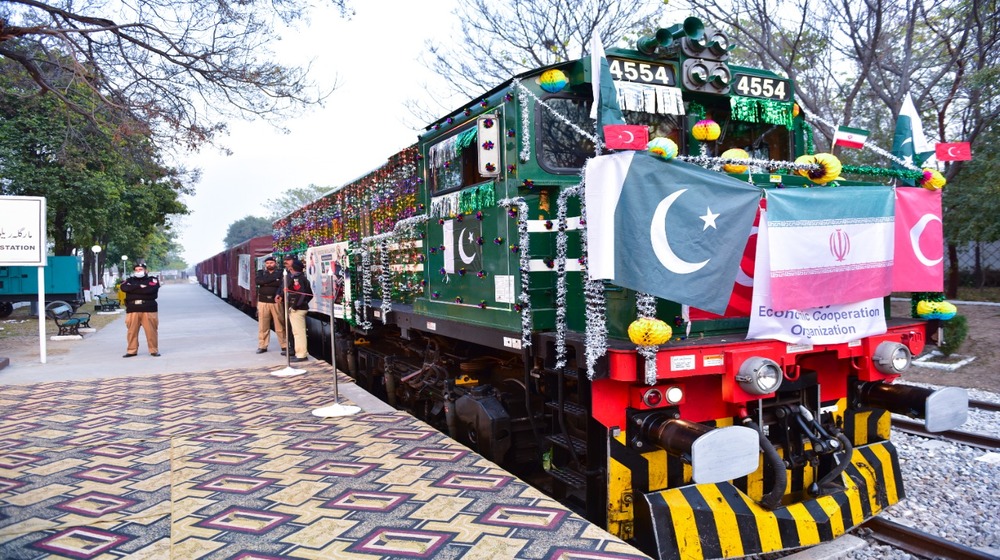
6 308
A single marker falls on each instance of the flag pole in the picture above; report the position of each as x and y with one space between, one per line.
335 409
288 370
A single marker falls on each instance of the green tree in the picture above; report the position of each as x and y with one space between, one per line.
511 37
177 69
100 189
247 228
293 199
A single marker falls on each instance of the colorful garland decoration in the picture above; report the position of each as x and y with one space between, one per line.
362 305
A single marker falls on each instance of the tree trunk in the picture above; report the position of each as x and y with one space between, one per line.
951 289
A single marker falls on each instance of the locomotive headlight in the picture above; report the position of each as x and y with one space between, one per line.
674 395
891 358
759 376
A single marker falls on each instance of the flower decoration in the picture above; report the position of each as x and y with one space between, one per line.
435 294
479 241
482 304
461 271
932 180
458 299
549 263
512 211
514 249
467 111
662 147
440 221
517 307
488 145
735 153
491 167
511 133
488 123
481 274
443 271
484 104
528 184
459 217
508 97
706 130
829 168
498 240
449 120
511 168
479 214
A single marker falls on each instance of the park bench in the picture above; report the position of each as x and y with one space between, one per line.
67 321
104 303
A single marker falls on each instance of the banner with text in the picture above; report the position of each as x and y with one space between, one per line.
22 231
831 324
326 268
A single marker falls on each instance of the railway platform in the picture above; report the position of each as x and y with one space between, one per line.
202 453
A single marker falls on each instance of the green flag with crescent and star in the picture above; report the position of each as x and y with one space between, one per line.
908 142
667 228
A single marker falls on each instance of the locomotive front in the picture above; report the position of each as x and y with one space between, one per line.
476 301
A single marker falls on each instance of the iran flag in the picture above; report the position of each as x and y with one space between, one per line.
830 245
919 259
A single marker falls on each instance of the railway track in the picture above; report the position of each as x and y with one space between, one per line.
919 543
981 441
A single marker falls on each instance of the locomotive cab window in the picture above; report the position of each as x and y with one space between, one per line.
561 149
760 139
453 162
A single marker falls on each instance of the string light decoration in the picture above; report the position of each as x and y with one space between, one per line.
518 208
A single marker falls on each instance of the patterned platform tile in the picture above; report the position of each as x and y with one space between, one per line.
231 464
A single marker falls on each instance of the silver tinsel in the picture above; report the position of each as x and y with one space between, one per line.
561 241
596 329
524 254
365 302
522 94
384 280
646 306
710 161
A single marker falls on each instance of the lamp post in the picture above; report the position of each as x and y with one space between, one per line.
124 262
97 251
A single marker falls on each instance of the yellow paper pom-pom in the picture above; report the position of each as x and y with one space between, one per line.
706 130
796 110
662 147
933 180
829 168
936 310
735 153
647 331
553 80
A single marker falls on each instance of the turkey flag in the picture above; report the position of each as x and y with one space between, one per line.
626 136
740 300
953 151
919 241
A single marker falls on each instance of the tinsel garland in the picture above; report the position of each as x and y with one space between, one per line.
559 116
769 164
646 307
596 326
384 281
696 110
561 243
881 171
807 133
362 305
524 255
752 109
478 198
522 95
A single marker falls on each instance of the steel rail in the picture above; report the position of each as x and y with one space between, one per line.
984 405
973 439
919 543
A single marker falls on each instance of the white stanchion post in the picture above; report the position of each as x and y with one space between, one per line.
288 370
335 409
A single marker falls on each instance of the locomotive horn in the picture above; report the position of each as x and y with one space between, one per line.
692 28
941 409
715 454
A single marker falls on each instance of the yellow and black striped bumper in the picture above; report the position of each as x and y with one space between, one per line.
719 521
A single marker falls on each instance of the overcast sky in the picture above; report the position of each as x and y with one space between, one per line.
374 59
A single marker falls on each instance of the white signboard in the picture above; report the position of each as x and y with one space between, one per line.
326 268
22 231
832 324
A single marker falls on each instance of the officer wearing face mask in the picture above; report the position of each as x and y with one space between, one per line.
140 310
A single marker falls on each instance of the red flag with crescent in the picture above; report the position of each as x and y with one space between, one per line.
918 264
740 300
953 151
626 136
